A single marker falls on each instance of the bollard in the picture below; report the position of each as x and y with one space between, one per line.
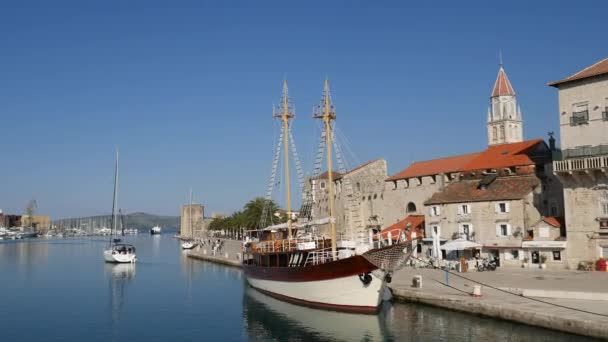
226 255
476 290
204 252
417 282
447 277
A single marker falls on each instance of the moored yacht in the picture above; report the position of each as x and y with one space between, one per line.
117 252
155 230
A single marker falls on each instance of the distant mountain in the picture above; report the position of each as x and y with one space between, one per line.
147 221
141 221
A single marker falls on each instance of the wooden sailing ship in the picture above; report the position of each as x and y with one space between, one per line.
288 261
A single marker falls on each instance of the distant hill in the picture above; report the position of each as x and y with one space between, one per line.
141 221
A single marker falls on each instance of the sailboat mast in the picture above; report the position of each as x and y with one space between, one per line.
190 215
114 198
286 114
328 115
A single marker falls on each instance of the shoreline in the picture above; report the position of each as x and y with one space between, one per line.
508 311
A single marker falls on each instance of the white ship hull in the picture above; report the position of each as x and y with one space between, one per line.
113 257
347 293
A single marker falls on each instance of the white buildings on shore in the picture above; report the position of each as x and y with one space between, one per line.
583 122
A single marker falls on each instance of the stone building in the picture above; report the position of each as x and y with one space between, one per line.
359 199
583 121
192 221
499 211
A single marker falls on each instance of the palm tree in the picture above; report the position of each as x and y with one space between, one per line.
254 209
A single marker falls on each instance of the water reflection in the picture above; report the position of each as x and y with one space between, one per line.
267 318
120 275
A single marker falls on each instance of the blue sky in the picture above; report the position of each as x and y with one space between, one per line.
185 89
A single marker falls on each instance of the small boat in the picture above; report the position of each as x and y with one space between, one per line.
155 230
188 244
118 252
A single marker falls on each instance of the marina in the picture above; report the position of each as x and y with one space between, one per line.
192 299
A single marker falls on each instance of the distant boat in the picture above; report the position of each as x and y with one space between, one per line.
118 252
188 244
155 230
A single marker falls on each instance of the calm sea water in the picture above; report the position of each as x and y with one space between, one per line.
61 290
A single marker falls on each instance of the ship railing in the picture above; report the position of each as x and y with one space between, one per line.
287 245
319 257
387 238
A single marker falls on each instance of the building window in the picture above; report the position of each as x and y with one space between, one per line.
466 230
605 113
580 114
604 203
322 185
503 229
411 207
494 133
557 256
501 207
435 210
515 253
436 230
464 209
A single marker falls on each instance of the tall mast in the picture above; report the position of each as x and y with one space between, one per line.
114 199
327 113
286 114
190 215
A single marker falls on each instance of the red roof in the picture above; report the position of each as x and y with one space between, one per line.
494 157
504 155
599 68
502 188
554 221
502 86
435 166
417 225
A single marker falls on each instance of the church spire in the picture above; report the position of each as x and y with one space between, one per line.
502 86
504 123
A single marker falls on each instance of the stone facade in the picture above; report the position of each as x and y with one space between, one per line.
583 118
359 199
192 226
499 220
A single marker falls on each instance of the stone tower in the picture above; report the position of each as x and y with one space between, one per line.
505 123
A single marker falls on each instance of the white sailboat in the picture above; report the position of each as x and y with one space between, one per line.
189 244
117 252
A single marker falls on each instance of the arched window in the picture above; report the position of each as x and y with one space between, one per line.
411 207
502 131
494 133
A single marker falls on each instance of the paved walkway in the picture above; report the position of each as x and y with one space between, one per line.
229 254
494 303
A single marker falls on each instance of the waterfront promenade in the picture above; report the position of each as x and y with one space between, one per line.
557 289
456 295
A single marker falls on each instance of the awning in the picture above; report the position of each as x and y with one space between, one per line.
459 245
544 244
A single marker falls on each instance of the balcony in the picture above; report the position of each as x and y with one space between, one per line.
581 164
579 118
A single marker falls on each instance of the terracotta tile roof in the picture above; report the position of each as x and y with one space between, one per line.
394 230
504 155
599 68
502 86
503 188
554 221
435 166
494 157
